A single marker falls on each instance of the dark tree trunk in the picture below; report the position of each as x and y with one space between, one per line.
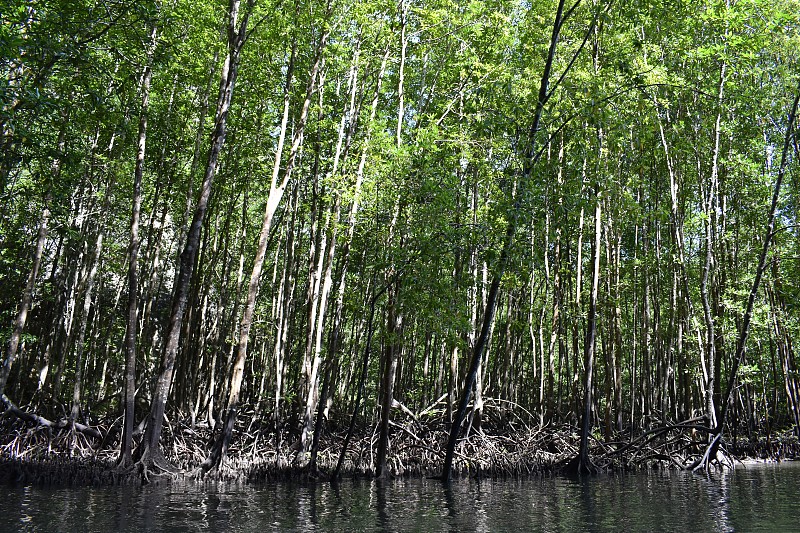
391 353
149 452
25 305
361 383
220 448
585 465
491 301
741 342
133 279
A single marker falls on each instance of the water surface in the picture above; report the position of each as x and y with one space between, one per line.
755 498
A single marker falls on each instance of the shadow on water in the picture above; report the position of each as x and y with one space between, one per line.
312 503
450 504
587 502
380 487
718 491
449 500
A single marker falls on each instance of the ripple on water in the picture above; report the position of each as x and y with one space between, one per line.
752 498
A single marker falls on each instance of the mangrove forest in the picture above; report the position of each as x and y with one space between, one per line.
244 239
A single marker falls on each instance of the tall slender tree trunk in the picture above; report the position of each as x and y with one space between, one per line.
392 346
709 208
149 452
84 319
391 354
75 279
91 278
27 297
362 381
744 330
220 447
341 151
584 465
132 325
508 241
284 311
785 347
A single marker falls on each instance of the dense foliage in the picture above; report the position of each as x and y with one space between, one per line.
403 158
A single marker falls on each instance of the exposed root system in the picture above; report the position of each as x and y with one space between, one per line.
31 452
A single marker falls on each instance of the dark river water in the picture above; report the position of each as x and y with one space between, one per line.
752 498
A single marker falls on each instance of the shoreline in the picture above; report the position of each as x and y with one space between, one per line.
40 457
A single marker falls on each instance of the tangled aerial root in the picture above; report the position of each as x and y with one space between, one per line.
506 446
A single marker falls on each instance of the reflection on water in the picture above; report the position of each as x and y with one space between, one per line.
756 498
